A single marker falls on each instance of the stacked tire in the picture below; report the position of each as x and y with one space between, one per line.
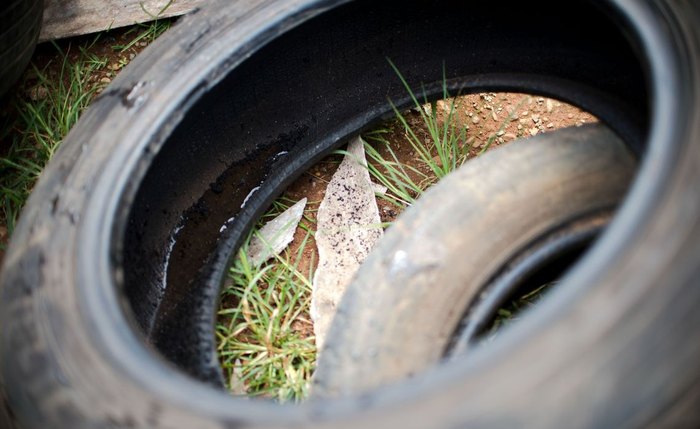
20 22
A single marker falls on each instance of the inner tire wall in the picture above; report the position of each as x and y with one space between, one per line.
303 93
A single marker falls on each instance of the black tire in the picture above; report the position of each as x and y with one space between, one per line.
244 95
440 256
20 22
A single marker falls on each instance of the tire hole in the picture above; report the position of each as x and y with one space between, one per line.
267 354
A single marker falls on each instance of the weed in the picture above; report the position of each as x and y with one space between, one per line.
144 33
261 338
43 123
66 86
446 149
511 311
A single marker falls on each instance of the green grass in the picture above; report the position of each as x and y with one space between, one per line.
512 310
261 343
146 33
446 149
62 88
43 123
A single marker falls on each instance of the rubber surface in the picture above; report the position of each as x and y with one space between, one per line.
301 96
87 341
20 22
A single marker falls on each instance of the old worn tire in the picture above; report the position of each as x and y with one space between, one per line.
441 254
110 284
20 21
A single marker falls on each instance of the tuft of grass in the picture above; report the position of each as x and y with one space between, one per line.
404 182
446 149
513 309
146 33
263 338
43 123
57 94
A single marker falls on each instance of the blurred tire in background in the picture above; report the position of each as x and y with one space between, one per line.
20 21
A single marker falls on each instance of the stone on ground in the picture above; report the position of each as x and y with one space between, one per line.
275 235
348 228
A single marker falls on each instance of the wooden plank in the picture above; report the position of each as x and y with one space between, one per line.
65 18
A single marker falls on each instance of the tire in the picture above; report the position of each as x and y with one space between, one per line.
440 256
20 22
110 283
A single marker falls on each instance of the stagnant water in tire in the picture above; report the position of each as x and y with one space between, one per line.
264 333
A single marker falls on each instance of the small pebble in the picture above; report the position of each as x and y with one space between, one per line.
444 106
38 92
550 106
